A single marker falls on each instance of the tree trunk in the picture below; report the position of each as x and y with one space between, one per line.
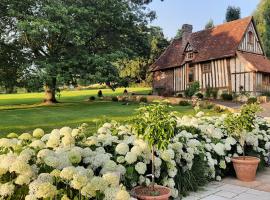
9 89
50 93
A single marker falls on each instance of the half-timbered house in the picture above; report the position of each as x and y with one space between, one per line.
228 57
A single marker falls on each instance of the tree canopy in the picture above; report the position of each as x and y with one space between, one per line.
71 40
262 19
209 24
233 13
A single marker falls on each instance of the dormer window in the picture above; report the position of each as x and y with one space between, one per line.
250 37
189 55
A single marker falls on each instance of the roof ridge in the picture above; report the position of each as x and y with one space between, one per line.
225 23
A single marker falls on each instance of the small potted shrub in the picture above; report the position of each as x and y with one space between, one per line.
99 94
155 124
238 126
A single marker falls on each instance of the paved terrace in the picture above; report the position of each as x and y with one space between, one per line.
231 188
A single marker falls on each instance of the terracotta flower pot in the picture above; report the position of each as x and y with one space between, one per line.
144 193
245 168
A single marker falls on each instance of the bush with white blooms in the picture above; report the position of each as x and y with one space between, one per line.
69 164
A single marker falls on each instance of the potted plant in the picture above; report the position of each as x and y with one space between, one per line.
155 124
238 126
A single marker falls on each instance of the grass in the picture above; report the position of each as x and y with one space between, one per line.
23 112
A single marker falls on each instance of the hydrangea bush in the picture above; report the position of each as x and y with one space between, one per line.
67 164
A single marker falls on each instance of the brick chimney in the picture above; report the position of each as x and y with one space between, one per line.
186 32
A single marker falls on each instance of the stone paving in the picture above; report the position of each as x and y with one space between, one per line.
231 188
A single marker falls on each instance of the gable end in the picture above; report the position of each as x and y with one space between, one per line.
250 41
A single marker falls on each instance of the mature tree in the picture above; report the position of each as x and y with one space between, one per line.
179 34
233 13
209 24
137 69
262 19
72 40
12 65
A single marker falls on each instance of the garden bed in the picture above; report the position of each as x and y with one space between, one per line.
68 164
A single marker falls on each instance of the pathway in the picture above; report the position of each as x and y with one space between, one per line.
231 188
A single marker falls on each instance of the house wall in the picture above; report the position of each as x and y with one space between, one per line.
262 82
241 76
163 82
217 78
229 74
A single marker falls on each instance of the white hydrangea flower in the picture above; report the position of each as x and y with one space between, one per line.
222 164
112 179
167 155
46 190
122 149
140 167
130 157
25 136
136 150
65 130
78 181
38 133
37 144
67 173
6 189
122 195
219 148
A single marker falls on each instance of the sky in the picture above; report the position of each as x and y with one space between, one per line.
171 14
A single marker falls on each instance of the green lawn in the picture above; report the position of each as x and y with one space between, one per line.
23 112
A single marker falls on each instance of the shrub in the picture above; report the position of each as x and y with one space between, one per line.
184 103
206 105
125 92
214 93
192 89
100 94
114 98
180 95
252 100
240 125
208 92
92 98
143 100
226 96
218 109
199 95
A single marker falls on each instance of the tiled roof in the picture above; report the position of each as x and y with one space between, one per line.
171 57
218 42
257 62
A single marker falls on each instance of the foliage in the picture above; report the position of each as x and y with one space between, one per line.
67 46
194 179
226 96
192 89
100 94
209 24
239 124
179 34
136 68
252 100
92 98
155 123
13 62
206 104
233 13
143 99
184 103
199 95
211 92
115 99
218 109
262 21
81 164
